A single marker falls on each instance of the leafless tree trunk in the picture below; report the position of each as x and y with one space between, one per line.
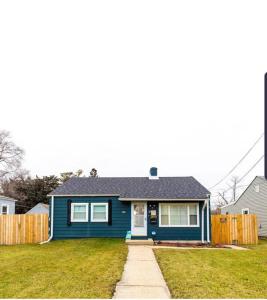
233 187
10 155
223 200
222 197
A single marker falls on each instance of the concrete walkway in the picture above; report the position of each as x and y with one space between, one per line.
142 277
226 247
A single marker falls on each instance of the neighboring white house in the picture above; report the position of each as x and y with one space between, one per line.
39 208
252 201
7 205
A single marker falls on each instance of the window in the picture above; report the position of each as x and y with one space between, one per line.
139 213
179 215
79 212
4 210
257 188
193 214
99 212
245 211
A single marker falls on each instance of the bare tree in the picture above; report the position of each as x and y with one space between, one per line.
67 175
233 187
8 185
10 155
222 199
225 200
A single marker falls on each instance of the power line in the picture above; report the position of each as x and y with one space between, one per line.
239 162
258 161
239 186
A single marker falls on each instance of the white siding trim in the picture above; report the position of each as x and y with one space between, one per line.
85 195
208 221
158 200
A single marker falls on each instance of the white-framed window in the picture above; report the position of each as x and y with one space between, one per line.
245 211
179 215
257 188
99 212
79 212
4 209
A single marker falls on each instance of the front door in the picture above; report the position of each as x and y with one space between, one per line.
139 218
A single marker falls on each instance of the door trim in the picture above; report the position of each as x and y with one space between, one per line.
145 218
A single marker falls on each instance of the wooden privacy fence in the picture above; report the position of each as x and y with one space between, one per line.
234 229
23 229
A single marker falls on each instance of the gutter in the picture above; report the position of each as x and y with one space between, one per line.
202 224
51 223
208 220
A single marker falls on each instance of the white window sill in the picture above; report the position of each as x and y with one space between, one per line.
186 226
79 221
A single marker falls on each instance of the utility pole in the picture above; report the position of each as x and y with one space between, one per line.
234 180
265 126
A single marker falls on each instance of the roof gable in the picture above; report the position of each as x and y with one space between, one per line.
246 190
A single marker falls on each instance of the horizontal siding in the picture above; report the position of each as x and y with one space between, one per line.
255 201
121 222
10 204
176 233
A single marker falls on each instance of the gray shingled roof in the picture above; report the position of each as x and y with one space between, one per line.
135 187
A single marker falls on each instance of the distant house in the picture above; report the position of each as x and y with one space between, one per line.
162 208
7 205
39 208
252 201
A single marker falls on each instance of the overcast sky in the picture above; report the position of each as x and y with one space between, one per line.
125 85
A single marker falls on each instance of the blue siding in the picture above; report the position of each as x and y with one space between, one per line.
121 222
175 233
121 219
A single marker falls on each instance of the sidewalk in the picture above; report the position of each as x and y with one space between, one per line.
142 277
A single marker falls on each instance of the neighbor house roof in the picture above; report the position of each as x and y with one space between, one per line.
233 203
38 208
134 187
2 197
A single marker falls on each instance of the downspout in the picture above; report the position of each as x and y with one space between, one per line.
202 224
51 223
208 220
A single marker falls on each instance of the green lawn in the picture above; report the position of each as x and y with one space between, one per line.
82 268
215 273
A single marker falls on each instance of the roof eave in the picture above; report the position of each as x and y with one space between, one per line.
83 195
163 199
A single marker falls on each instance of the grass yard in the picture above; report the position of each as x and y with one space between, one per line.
215 273
82 268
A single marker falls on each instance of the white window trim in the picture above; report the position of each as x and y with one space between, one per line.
92 210
188 215
257 188
245 209
7 209
72 212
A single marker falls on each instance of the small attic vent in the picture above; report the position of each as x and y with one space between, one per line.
257 188
153 173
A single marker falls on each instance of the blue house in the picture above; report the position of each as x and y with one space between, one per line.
162 208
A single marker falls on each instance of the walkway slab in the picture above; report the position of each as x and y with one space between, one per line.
142 277
225 247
